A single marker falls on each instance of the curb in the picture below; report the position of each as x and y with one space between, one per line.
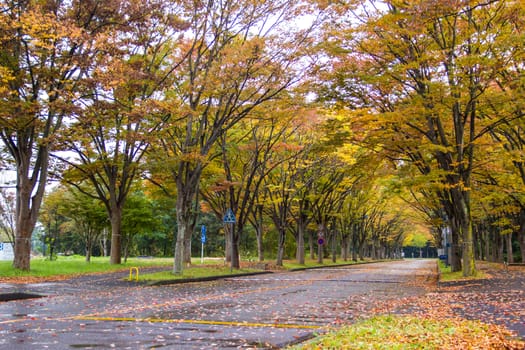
335 265
204 279
219 277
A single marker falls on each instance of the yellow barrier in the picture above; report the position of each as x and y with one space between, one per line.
136 269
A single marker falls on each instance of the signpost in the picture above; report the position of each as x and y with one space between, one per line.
203 240
229 218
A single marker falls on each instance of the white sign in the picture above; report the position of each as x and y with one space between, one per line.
6 251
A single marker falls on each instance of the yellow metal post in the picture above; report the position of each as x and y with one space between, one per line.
136 269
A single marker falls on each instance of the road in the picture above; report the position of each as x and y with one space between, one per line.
265 311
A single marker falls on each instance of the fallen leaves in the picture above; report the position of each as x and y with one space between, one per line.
409 332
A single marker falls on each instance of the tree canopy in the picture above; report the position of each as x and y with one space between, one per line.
321 125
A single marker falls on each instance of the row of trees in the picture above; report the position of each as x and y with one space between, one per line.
211 104
73 223
439 88
281 176
102 80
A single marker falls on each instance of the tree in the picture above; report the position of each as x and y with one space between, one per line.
255 147
47 48
83 216
42 56
53 220
138 220
119 112
510 137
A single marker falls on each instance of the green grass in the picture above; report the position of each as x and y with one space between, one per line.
446 275
74 265
221 269
407 332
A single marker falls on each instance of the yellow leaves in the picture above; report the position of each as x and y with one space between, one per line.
5 78
43 30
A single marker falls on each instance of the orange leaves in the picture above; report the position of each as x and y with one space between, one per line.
223 185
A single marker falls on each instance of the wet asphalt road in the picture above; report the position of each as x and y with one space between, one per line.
266 311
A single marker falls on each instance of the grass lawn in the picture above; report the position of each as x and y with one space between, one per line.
195 271
75 265
63 266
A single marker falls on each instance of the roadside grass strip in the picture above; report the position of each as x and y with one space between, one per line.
409 332
200 322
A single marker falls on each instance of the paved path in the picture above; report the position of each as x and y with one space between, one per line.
265 311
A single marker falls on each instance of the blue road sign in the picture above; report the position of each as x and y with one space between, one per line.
203 234
229 218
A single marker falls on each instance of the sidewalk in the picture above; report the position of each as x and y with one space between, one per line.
499 299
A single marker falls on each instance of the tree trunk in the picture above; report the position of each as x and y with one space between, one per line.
22 253
521 241
486 244
24 229
280 247
301 230
116 238
344 248
188 176
187 247
455 252
373 251
320 253
89 248
334 246
300 246
179 245
355 228
469 267
27 208
508 243
260 247
104 242
235 257
259 232
88 254
500 248
521 235
311 244
183 227
227 243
